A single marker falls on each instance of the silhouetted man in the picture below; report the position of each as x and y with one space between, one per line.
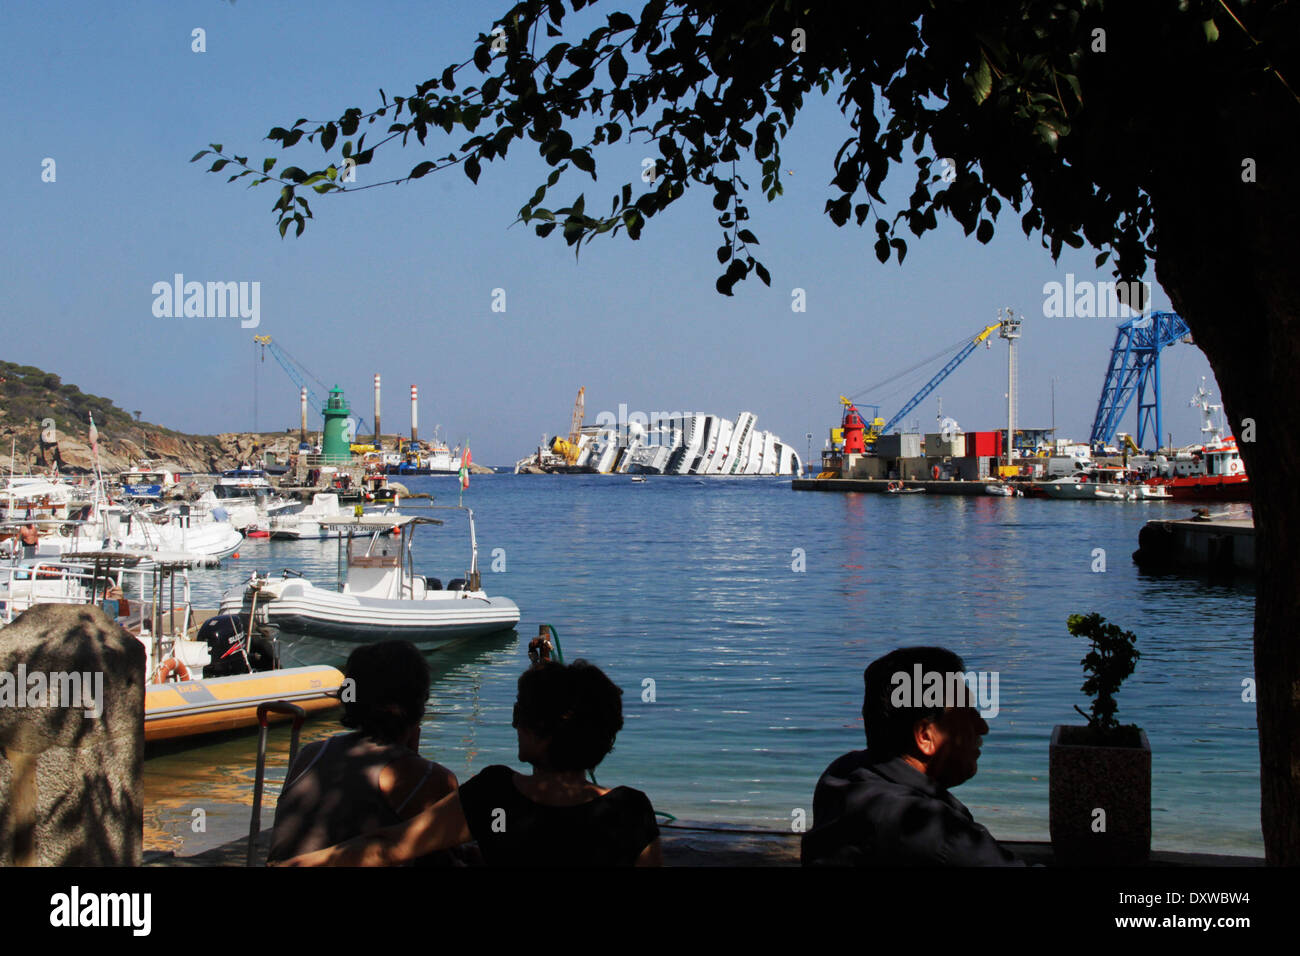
889 805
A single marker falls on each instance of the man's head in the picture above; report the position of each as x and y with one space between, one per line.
940 740
567 715
390 689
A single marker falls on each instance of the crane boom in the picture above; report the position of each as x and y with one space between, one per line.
291 368
579 413
931 385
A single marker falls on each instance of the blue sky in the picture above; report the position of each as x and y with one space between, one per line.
399 280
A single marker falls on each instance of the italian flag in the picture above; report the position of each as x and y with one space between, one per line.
465 460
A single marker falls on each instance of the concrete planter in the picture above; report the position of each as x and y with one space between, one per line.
1084 779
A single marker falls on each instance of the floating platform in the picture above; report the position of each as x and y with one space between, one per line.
1220 544
881 485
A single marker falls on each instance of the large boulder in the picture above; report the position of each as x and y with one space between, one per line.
72 735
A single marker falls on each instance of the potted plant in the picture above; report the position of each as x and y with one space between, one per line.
1099 775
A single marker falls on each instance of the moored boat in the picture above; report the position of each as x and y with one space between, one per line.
378 597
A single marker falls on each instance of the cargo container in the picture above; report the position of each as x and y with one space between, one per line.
938 445
984 444
898 446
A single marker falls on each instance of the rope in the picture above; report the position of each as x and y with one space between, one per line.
960 343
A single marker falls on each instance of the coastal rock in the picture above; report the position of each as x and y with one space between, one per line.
72 730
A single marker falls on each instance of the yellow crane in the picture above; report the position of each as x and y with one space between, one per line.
569 449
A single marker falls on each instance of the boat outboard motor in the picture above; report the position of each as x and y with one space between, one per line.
225 635
457 584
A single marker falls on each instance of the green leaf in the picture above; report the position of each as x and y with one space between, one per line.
617 68
762 273
423 169
985 231
199 155
328 136
218 165
472 168
748 237
267 164
724 253
981 81
582 160
284 226
1211 31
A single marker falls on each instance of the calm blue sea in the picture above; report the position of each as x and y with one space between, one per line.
753 609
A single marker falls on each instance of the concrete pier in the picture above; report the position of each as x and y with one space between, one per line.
880 485
1216 543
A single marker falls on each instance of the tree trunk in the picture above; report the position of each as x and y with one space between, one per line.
1229 265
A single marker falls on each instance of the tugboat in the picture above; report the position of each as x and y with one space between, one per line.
1211 471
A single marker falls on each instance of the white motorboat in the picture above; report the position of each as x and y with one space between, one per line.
306 523
118 527
1102 484
379 595
1003 491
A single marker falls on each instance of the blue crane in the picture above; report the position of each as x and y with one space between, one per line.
931 385
1134 368
296 371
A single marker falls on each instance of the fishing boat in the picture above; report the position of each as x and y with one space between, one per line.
378 595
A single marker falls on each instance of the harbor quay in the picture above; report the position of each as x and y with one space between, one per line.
882 486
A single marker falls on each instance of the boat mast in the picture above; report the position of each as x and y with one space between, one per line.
474 583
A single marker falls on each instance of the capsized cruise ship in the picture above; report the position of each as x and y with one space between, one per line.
679 444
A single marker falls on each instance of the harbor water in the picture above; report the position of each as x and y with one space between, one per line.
737 615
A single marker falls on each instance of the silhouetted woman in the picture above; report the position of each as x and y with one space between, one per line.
566 717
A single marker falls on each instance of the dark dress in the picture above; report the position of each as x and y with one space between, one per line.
512 830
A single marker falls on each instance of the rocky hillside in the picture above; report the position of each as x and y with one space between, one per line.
30 396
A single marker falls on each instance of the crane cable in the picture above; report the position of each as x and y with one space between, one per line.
960 343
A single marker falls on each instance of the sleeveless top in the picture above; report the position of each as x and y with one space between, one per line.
512 830
332 795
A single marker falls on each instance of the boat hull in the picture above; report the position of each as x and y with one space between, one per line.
314 625
1207 488
195 707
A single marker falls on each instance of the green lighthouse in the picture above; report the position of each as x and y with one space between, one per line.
335 443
